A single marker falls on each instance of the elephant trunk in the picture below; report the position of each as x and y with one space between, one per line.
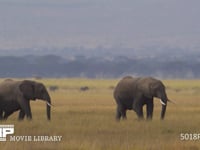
163 111
48 112
48 105
164 100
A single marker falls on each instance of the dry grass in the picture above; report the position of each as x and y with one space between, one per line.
86 119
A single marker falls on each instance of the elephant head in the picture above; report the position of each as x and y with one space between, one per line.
34 90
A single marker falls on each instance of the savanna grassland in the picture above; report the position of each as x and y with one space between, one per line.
86 119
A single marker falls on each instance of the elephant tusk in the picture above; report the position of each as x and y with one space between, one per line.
49 104
162 102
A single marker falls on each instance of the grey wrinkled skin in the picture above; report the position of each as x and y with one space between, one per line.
133 93
16 95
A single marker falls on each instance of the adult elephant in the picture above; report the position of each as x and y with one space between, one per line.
134 93
16 95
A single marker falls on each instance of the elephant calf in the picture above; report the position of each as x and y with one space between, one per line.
16 95
134 93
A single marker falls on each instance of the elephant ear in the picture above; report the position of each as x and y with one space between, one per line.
154 87
157 88
27 88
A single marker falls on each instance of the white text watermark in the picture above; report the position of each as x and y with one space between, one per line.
6 132
35 138
189 136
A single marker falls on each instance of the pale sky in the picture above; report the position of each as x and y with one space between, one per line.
106 23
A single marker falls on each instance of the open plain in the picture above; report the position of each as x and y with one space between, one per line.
84 115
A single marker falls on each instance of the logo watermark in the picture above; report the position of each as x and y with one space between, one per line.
9 129
5 130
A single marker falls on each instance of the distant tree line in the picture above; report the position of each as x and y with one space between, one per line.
97 67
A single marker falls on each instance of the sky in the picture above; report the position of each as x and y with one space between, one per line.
92 23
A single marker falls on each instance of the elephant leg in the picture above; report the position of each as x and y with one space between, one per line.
140 113
118 114
138 108
121 112
7 114
25 106
149 109
21 115
1 114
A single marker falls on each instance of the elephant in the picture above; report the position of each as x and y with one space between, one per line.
132 93
16 95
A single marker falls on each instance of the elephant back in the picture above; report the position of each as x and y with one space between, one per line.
125 88
5 85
